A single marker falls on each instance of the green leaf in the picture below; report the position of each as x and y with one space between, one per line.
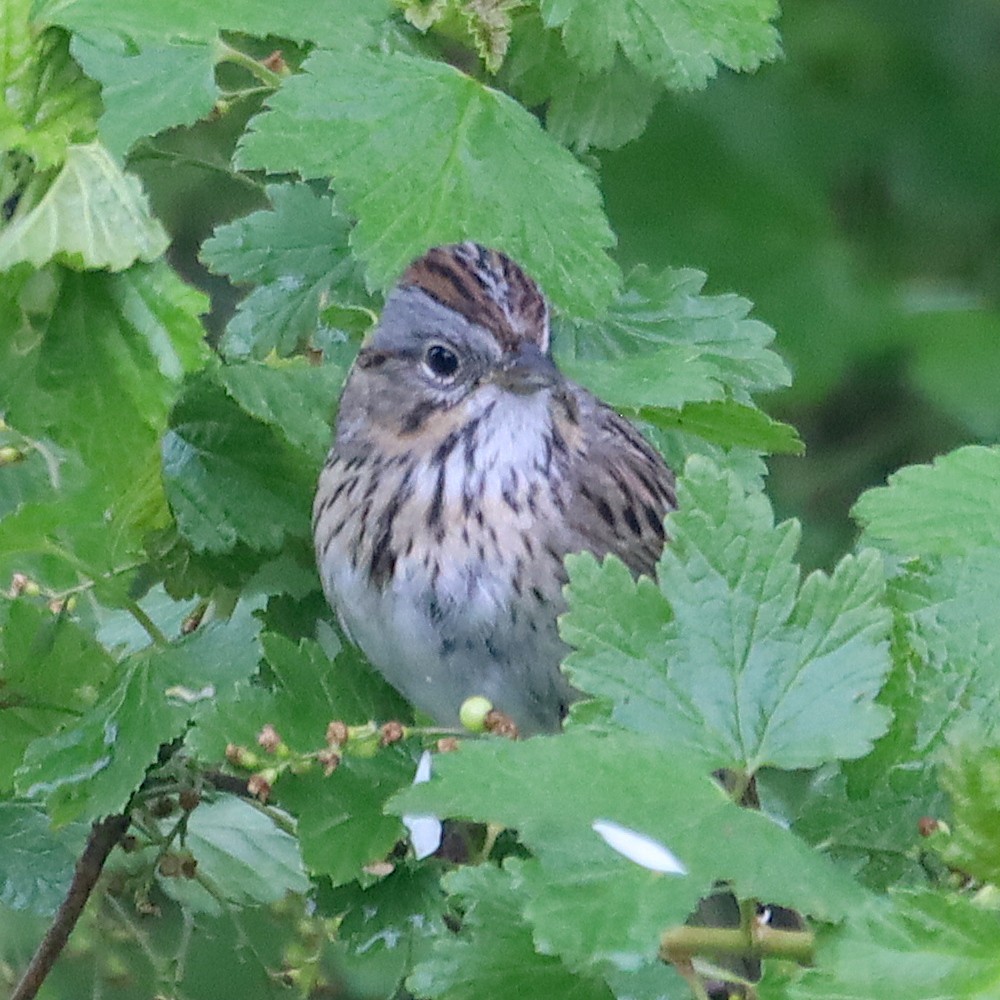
325 22
145 92
51 670
48 103
936 509
91 767
219 488
730 424
314 688
455 172
297 255
36 863
605 109
309 687
96 373
873 833
294 397
662 343
494 954
341 823
971 776
247 857
927 946
732 658
586 902
397 913
667 40
92 216
955 633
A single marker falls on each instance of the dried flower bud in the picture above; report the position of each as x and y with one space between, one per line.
259 785
275 62
927 825
18 584
330 760
500 724
189 799
170 866
193 620
391 732
163 806
268 738
448 744
337 733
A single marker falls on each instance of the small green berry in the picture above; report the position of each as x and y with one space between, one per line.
473 713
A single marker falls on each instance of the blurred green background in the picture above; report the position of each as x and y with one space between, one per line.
852 191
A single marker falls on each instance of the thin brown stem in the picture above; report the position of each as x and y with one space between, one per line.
104 835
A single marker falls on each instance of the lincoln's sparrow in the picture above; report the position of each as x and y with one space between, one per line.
464 468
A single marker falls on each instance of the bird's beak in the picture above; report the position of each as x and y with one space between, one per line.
526 370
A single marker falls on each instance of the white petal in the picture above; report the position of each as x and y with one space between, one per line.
425 834
638 847
423 769
425 831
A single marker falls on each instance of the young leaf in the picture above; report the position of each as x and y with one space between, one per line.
936 509
48 103
667 40
586 902
457 171
732 658
92 216
971 776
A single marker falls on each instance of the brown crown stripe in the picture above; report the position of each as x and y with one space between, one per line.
486 287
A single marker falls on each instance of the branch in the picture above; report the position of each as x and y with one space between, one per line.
680 943
103 837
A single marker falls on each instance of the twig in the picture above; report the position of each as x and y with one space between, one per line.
104 835
679 943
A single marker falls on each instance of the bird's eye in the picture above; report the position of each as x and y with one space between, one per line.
441 360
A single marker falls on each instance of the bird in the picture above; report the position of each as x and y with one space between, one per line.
464 468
